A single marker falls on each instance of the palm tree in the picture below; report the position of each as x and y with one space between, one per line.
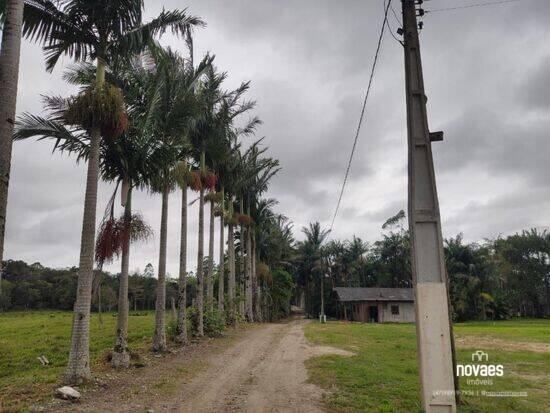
181 325
225 171
221 154
221 265
176 110
229 181
103 31
258 173
311 247
12 17
262 216
205 134
210 271
132 159
212 137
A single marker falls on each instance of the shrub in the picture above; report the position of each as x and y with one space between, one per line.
214 322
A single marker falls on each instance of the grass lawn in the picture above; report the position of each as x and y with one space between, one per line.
383 375
24 336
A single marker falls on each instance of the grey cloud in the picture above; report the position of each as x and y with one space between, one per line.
486 71
535 90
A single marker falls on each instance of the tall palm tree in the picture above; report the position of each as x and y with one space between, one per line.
15 15
132 159
315 236
12 16
225 171
258 173
176 111
203 134
221 265
102 31
211 138
262 216
229 181
210 271
181 325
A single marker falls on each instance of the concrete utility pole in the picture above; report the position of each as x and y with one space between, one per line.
433 328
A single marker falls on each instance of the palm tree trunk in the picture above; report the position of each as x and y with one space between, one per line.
121 356
99 310
210 275
255 283
200 267
242 302
248 278
9 79
200 257
159 339
78 367
221 268
181 329
231 258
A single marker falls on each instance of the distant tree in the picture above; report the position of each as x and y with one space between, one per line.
149 271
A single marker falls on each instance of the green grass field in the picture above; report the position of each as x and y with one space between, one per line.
24 336
383 375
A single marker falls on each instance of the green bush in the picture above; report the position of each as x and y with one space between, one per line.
281 291
214 322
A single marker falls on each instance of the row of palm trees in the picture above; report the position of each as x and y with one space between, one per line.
147 118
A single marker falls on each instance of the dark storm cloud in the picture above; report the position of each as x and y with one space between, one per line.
487 72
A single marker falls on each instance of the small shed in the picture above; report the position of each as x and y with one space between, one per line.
376 305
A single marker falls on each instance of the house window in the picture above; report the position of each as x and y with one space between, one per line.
395 310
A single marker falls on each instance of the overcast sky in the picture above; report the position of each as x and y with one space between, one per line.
487 77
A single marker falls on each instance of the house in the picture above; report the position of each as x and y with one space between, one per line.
376 305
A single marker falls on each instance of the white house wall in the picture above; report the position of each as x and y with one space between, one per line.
406 312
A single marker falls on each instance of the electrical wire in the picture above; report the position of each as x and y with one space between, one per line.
395 15
491 3
378 47
391 29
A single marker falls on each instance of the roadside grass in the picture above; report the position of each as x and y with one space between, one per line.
383 375
24 336
527 330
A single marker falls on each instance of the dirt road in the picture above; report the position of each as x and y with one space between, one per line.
262 371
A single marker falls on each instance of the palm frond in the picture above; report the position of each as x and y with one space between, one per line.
135 40
66 139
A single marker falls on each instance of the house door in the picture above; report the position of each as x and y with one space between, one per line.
373 314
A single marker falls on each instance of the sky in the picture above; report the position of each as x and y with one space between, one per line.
487 78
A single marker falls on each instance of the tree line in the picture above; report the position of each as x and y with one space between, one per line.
500 278
146 118
35 287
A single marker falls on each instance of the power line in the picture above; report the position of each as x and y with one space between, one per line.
381 36
491 3
389 25
395 15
